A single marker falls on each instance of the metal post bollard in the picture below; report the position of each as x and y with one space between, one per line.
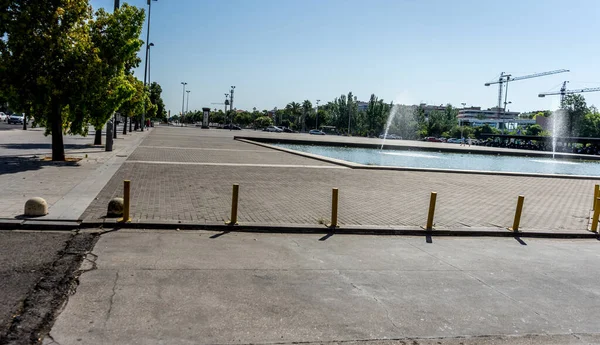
594 226
334 208
518 212
234 204
432 200
109 136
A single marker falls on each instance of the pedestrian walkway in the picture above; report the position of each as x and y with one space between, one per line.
67 187
184 175
191 287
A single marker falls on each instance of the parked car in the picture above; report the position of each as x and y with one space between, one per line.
288 130
3 116
233 127
273 129
16 119
453 141
391 136
316 132
433 139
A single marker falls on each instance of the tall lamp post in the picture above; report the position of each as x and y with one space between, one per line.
187 105
146 64
317 122
183 103
231 107
149 79
226 104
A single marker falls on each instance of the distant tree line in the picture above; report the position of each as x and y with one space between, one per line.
409 122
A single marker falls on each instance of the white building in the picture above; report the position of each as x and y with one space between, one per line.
474 116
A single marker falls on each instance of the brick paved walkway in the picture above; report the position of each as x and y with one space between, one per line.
289 189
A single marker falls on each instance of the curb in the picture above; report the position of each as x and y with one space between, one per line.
8 224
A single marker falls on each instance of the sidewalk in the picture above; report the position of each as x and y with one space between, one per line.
67 187
201 287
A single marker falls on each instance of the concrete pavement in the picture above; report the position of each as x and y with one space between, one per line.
166 287
68 187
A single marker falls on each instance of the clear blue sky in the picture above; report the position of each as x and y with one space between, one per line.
409 51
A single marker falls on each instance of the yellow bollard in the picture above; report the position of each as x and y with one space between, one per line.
594 226
518 212
234 204
596 196
334 208
126 201
431 211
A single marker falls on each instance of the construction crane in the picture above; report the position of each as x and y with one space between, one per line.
226 102
563 92
505 78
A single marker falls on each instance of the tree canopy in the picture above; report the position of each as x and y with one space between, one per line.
64 65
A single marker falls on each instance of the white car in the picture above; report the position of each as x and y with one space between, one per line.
3 116
15 119
273 129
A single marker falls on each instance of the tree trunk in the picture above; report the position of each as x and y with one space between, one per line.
24 122
58 148
124 125
98 137
130 124
136 125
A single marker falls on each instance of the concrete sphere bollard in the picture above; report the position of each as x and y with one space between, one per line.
115 208
36 207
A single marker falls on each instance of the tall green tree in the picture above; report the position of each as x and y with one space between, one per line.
52 54
576 108
156 99
307 109
293 113
590 124
115 36
134 106
376 115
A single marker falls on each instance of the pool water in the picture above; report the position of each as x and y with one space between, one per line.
454 161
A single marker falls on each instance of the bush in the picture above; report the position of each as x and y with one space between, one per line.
263 121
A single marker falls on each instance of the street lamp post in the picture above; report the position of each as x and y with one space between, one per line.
231 107
183 103
146 64
226 103
317 122
149 79
187 105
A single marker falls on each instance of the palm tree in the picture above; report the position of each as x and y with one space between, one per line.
306 109
293 111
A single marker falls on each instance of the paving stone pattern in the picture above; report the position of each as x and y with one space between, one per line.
295 195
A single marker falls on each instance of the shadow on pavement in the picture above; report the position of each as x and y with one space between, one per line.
219 235
37 146
324 238
428 238
518 238
13 165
